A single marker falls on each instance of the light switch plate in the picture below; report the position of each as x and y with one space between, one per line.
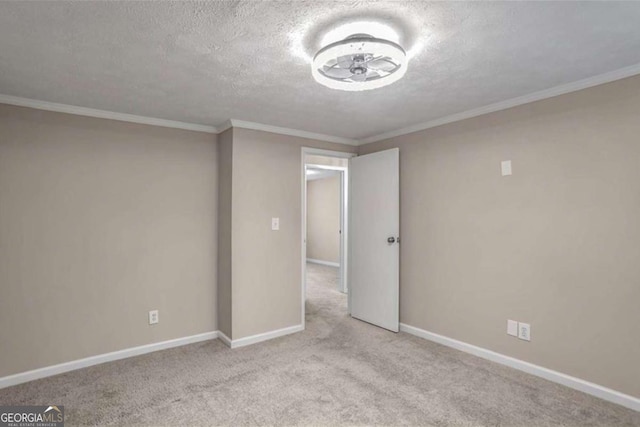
275 224
505 167
524 331
512 328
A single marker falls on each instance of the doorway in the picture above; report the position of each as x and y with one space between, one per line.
325 202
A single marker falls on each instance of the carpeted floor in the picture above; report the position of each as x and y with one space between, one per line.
338 371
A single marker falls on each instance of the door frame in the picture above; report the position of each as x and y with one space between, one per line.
344 220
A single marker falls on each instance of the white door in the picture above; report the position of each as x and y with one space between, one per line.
374 227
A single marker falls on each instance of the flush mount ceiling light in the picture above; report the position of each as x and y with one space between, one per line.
359 62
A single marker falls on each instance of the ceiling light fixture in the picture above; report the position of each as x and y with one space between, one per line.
359 62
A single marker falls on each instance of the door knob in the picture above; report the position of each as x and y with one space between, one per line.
391 239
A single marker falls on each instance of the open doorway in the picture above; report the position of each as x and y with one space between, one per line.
324 220
324 231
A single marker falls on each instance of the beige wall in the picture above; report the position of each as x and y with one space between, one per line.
555 245
267 276
323 219
225 193
100 222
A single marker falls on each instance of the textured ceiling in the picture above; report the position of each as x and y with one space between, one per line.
208 62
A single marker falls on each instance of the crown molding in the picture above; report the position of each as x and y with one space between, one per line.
103 114
242 124
123 117
225 126
608 77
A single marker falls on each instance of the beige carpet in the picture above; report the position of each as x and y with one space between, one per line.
338 371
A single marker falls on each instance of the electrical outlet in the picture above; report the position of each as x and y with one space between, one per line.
524 331
154 317
512 328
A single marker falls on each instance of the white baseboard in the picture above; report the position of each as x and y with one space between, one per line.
253 339
548 374
321 262
48 371
224 338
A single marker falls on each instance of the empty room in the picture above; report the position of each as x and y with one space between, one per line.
319 213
